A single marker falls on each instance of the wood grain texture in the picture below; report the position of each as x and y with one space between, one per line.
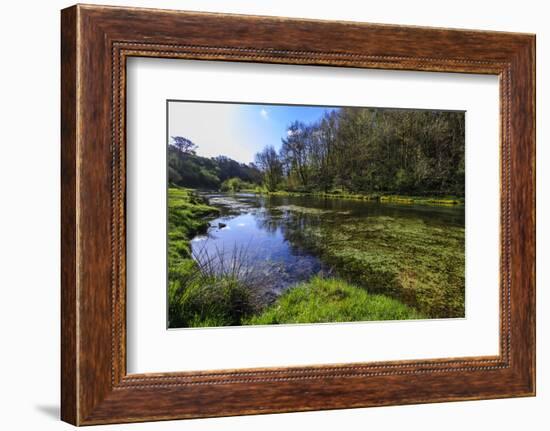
96 41
69 397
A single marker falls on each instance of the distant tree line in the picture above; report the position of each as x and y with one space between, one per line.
187 169
369 150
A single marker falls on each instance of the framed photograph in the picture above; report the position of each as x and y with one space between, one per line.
265 215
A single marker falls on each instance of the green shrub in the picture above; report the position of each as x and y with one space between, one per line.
233 185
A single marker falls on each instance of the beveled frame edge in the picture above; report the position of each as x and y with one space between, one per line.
96 41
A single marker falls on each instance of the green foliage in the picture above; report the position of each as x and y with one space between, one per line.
189 170
399 199
186 169
186 218
235 184
331 300
372 150
200 301
272 168
184 145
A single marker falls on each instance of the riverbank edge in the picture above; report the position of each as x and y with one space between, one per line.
373 197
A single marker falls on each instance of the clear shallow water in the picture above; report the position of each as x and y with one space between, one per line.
269 233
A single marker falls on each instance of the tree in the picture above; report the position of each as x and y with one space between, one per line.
268 162
184 145
187 169
326 143
295 149
358 150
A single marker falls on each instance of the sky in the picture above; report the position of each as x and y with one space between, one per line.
234 130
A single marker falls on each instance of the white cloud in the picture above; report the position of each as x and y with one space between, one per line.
264 114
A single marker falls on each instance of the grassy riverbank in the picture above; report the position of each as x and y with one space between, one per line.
324 300
374 197
198 296
187 216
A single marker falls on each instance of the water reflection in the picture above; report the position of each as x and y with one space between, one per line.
275 233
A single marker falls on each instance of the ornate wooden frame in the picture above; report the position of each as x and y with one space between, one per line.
96 41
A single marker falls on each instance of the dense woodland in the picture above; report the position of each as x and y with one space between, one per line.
357 150
187 169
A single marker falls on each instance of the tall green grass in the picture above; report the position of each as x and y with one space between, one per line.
323 300
203 290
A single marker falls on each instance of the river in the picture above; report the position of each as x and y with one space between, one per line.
285 240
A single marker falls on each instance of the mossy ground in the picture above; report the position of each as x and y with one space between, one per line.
187 217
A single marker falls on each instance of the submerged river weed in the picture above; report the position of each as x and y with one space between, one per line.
419 263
